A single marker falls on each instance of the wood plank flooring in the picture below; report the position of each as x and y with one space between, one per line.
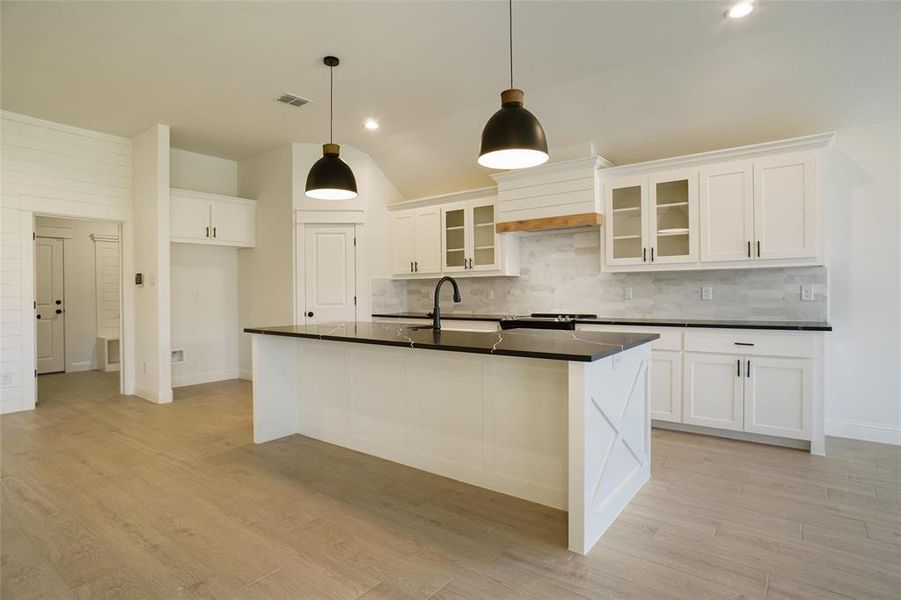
105 496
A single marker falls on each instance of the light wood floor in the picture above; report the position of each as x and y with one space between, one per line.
105 496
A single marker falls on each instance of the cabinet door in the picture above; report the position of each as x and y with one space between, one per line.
726 212
189 218
402 243
427 241
232 222
484 255
778 396
626 206
672 220
784 206
454 237
666 385
713 390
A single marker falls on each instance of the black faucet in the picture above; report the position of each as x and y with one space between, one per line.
436 311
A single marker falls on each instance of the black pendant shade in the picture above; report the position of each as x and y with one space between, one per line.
513 138
330 178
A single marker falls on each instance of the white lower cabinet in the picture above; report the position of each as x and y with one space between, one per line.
741 380
666 385
713 391
778 396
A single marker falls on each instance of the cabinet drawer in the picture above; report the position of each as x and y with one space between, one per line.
670 339
751 343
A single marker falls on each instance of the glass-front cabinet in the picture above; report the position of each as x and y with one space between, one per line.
651 219
469 238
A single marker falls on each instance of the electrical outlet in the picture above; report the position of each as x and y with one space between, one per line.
145 366
627 293
807 293
6 379
706 292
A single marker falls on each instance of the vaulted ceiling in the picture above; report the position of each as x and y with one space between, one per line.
629 80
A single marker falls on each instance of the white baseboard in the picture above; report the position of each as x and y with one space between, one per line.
79 366
868 432
205 377
246 374
162 397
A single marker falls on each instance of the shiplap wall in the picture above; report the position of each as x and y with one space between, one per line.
51 169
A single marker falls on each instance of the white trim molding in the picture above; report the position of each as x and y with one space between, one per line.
868 432
53 231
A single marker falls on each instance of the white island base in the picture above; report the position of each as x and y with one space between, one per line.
570 435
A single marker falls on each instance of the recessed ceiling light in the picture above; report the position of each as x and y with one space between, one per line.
371 124
739 10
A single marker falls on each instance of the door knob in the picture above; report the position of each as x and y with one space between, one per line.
58 302
39 316
59 311
310 313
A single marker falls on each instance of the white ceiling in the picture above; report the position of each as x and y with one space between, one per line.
639 80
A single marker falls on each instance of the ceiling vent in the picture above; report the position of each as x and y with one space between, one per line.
292 99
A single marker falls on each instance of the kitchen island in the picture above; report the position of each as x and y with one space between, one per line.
561 418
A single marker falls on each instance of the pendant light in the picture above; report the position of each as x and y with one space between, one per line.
513 138
330 178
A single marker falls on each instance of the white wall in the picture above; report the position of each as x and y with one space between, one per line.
203 173
204 291
80 288
51 169
153 376
204 313
266 272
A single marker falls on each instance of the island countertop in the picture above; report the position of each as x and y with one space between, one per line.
582 346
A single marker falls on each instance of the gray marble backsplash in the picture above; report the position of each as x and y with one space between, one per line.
561 272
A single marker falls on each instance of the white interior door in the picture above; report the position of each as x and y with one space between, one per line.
329 273
49 305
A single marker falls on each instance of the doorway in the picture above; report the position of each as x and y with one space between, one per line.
77 301
329 272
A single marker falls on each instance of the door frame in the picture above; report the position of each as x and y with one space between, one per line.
302 218
28 229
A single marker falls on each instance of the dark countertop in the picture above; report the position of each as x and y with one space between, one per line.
584 346
640 321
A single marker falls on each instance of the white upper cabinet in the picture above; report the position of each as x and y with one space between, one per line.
416 242
452 237
726 212
652 219
201 218
672 216
626 203
785 211
757 206
427 241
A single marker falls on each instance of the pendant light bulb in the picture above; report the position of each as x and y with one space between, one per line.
330 178
513 138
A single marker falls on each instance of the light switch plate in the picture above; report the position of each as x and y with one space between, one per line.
627 293
706 292
807 293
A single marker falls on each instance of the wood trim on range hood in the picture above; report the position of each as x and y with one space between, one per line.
561 222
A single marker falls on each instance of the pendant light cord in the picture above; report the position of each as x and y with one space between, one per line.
331 104
510 4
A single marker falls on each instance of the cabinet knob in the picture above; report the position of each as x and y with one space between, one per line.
310 313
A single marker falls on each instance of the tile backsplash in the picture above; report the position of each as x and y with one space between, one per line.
561 272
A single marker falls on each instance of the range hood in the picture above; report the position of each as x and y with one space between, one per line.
560 195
